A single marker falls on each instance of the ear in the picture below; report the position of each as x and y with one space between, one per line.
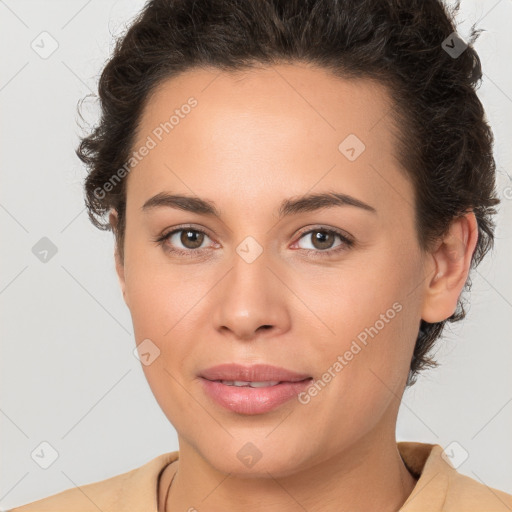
450 264
113 219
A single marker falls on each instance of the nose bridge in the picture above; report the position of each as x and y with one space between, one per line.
250 296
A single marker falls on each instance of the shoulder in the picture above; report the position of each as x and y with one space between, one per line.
466 493
441 487
136 489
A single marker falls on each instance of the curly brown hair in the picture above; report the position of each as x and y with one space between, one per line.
444 142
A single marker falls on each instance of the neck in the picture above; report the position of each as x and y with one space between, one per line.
367 476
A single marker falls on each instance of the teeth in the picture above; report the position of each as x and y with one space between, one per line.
242 383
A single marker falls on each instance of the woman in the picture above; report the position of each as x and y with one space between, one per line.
298 192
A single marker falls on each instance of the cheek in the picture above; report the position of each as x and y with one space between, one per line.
161 301
156 291
363 291
366 362
372 310
159 313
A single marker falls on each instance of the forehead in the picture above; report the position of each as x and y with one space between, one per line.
283 126
301 94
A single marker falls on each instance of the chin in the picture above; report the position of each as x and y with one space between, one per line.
255 460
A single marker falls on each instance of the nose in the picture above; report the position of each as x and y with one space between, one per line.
251 301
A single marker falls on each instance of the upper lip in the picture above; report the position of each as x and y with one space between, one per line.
252 373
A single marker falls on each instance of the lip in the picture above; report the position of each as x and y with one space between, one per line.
252 373
247 400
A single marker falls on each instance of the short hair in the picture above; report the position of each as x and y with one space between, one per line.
444 143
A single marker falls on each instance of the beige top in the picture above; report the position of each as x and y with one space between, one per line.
440 488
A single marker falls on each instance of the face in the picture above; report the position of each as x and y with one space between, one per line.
333 293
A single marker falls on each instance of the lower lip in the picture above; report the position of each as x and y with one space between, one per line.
247 400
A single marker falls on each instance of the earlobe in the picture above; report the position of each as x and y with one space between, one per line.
451 262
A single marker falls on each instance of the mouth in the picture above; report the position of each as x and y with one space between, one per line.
257 384
256 376
252 390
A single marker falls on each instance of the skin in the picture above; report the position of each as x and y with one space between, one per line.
256 138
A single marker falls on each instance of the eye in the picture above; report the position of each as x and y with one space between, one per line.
185 241
323 239
188 241
190 238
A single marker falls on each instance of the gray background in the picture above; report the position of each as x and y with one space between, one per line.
68 374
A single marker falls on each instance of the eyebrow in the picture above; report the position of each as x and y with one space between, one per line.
291 206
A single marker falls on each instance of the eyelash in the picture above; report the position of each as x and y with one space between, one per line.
346 244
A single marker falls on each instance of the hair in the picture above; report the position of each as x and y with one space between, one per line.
444 142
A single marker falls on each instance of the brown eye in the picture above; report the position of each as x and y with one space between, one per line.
190 238
323 242
184 241
321 239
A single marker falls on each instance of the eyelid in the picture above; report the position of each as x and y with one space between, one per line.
321 227
166 235
184 227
